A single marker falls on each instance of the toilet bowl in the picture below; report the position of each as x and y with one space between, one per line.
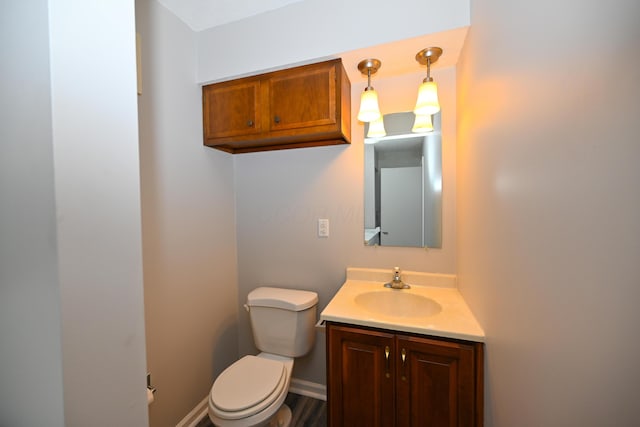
251 392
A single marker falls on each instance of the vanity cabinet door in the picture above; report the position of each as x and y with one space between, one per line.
360 376
437 383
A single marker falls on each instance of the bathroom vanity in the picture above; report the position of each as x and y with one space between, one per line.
402 357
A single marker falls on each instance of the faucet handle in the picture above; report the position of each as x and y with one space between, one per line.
396 283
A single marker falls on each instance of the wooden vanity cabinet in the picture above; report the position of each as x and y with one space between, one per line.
383 378
299 107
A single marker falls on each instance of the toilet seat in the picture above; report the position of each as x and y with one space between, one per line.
247 387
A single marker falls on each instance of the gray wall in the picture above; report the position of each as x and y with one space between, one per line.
72 350
432 152
97 193
280 196
188 225
549 208
30 333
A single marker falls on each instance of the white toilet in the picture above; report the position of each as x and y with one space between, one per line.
251 392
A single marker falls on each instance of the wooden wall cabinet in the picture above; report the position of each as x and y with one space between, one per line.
379 378
299 107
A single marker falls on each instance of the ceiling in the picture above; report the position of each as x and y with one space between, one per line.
203 14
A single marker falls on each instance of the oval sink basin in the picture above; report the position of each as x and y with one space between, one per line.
397 303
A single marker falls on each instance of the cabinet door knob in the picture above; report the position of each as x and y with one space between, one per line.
250 123
387 351
276 119
404 369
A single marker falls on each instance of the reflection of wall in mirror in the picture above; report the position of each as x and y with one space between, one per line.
403 149
401 211
369 188
433 189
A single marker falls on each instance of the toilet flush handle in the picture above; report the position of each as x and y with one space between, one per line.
246 307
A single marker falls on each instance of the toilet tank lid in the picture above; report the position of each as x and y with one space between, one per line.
287 299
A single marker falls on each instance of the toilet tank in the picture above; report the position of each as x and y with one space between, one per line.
283 320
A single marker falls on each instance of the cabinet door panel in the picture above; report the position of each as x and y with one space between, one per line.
438 389
303 99
361 378
231 109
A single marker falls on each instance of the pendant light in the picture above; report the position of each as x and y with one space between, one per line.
369 109
427 103
376 128
422 124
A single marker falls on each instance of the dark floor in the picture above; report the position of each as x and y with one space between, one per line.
307 412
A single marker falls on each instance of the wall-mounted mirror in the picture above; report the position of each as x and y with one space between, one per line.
403 184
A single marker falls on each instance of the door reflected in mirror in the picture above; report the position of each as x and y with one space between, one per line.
403 185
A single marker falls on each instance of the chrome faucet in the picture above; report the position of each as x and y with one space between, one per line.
396 283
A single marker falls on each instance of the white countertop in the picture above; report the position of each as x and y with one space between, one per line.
455 320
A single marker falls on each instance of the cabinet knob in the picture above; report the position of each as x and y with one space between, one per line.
387 351
276 119
250 123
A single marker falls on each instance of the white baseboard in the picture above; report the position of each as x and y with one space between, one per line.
308 388
301 387
196 415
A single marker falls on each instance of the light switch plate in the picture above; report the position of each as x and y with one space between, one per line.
323 227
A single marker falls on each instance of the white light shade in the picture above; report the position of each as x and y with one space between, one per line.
376 128
422 124
427 103
369 109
